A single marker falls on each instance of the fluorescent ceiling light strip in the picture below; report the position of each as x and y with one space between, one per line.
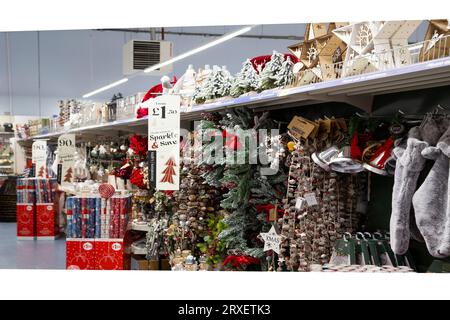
220 40
109 86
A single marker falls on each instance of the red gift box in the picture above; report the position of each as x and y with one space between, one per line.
110 255
46 222
80 254
26 222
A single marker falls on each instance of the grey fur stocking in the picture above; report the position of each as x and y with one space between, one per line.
407 170
431 201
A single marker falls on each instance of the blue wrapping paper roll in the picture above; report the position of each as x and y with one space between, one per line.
98 221
70 221
77 217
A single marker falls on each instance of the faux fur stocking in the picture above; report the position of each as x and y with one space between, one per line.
409 164
431 201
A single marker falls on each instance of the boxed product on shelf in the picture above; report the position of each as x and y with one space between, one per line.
127 107
90 114
40 126
23 131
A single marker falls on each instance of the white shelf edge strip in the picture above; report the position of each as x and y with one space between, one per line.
273 94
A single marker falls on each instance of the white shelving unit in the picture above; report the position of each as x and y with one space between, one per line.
358 91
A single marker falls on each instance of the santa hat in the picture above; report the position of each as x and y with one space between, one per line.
262 60
156 90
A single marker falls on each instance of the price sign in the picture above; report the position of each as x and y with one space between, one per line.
66 156
39 158
164 142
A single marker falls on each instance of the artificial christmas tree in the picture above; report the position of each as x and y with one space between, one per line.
269 74
246 187
245 81
285 76
217 85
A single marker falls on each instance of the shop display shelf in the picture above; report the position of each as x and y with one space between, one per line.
358 91
138 250
140 227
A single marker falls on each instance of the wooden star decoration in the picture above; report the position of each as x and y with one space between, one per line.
319 48
272 240
437 41
378 37
393 35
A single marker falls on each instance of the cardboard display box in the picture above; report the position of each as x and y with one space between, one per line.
80 254
109 254
26 222
46 222
96 254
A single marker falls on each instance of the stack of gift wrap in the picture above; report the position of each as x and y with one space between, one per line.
25 191
95 217
45 190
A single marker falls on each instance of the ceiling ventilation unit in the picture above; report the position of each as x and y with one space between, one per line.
139 55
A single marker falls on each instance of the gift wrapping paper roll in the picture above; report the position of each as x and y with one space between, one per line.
26 191
111 216
69 214
122 211
98 219
102 218
84 218
39 191
115 217
107 218
92 216
77 217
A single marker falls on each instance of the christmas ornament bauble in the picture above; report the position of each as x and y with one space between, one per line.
106 190
291 146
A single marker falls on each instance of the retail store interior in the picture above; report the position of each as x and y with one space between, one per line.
313 147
